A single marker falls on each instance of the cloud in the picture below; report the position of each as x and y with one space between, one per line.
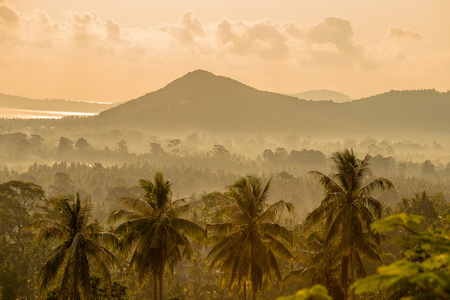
88 56
8 16
398 33
9 24
329 42
112 30
262 38
333 30
187 29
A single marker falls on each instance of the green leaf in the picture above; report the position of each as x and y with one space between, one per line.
316 292
404 220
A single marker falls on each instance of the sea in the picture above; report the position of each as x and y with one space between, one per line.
15 113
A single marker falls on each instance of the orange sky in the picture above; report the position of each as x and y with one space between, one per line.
116 50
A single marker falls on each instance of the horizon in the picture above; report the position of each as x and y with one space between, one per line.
244 83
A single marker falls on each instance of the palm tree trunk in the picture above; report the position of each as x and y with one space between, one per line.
155 286
352 278
245 290
161 285
254 291
344 275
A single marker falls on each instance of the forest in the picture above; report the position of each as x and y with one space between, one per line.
108 216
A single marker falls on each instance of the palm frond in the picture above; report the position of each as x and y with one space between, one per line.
277 247
119 214
336 228
272 211
276 230
226 243
317 216
55 262
379 184
109 239
138 205
84 278
374 205
188 227
326 182
69 281
273 266
179 210
368 249
220 229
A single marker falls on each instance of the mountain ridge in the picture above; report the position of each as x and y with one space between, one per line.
201 100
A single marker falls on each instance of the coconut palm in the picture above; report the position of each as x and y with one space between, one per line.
346 212
154 231
317 264
249 241
79 251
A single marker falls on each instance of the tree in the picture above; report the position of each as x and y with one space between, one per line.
123 148
420 204
280 154
268 155
220 151
80 249
18 200
65 145
428 169
154 231
99 292
156 149
347 211
62 184
249 241
82 145
424 272
320 264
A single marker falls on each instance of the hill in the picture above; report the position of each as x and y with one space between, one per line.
201 101
318 95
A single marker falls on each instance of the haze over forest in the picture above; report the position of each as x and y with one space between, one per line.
246 151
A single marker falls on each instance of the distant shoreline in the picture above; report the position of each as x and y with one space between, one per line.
17 113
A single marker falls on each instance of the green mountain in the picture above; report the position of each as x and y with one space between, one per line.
203 102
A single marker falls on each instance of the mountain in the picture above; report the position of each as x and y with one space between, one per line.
17 102
317 95
201 101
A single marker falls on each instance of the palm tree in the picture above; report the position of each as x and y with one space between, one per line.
80 248
154 231
249 241
347 211
317 264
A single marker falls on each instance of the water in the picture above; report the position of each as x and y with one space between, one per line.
10 113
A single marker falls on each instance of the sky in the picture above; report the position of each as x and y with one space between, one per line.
117 50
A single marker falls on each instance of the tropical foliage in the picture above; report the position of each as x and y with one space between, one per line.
424 272
79 252
346 212
249 240
201 174
316 292
155 232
